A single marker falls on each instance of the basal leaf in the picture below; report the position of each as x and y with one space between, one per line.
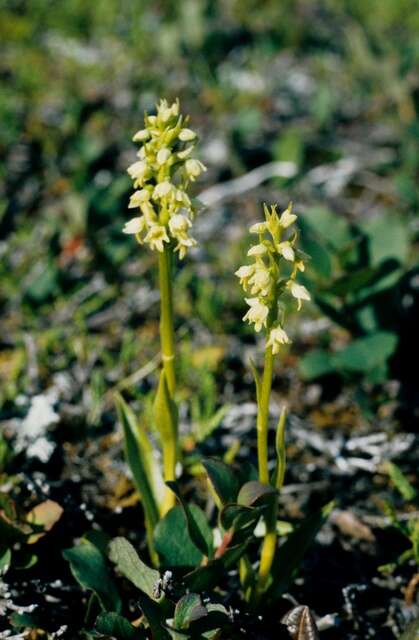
199 530
254 492
136 456
112 624
173 542
222 479
165 412
128 562
89 568
188 610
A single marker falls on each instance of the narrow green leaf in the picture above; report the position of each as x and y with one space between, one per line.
112 624
281 462
256 377
290 555
165 412
128 562
89 568
402 484
199 530
137 460
222 479
173 542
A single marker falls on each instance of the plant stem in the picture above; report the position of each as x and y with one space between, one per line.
167 341
267 553
269 541
263 416
167 334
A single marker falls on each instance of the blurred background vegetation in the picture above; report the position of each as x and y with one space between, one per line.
331 86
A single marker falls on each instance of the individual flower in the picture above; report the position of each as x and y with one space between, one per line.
257 250
299 292
277 337
286 250
260 280
138 197
287 217
244 273
186 135
156 236
194 168
257 314
134 226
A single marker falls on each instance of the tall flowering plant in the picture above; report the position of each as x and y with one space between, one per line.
275 262
161 177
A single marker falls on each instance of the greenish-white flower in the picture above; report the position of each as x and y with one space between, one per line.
244 273
134 226
194 168
277 337
287 218
298 291
156 236
257 314
257 250
286 251
186 135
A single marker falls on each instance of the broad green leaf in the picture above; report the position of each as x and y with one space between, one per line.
208 576
254 492
199 530
279 473
388 237
222 479
156 614
239 517
136 456
333 229
364 354
314 364
188 610
89 568
165 412
172 540
112 624
128 562
289 556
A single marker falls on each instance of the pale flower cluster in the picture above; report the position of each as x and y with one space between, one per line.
266 279
161 177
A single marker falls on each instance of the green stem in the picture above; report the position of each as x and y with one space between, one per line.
263 417
167 334
167 341
269 541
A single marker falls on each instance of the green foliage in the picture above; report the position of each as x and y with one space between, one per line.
139 454
173 542
89 568
408 528
128 563
355 272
